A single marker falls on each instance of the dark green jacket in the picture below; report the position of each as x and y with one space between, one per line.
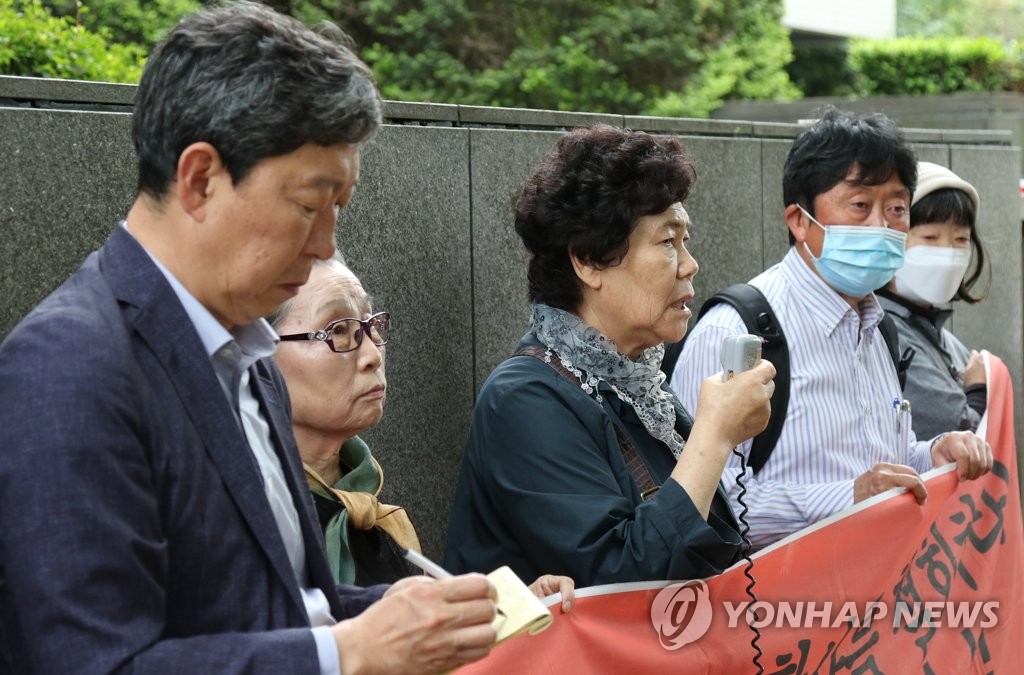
543 488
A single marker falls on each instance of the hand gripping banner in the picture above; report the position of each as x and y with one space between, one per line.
888 586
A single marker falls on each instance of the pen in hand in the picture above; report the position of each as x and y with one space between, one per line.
431 567
426 564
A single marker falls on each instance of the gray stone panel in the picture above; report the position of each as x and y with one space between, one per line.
54 89
406 235
67 178
523 118
776 130
726 210
501 161
422 113
974 136
919 135
774 232
987 116
930 152
680 125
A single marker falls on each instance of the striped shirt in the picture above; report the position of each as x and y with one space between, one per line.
843 415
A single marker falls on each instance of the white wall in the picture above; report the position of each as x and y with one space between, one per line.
843 18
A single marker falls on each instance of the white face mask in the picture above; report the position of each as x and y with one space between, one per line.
932 274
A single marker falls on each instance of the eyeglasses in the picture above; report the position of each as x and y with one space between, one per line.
345 335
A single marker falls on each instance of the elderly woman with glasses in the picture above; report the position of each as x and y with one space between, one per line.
336 382
332 357
580 460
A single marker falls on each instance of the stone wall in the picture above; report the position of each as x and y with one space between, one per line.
952 113
429 232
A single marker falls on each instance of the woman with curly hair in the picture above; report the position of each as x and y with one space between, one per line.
580 460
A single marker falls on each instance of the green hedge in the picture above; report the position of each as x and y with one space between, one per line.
935 66
35 43
570 73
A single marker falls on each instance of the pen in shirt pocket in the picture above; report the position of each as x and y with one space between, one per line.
902 411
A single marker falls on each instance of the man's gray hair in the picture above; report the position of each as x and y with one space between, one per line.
254 84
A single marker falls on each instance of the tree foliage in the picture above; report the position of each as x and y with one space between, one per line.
999 19
33 42
675 57
140 22
663 57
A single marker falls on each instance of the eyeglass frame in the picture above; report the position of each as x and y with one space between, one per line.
324 335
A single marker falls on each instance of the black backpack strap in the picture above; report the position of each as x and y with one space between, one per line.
759 319
891 335
637 469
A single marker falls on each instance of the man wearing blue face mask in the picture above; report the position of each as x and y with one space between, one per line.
847 186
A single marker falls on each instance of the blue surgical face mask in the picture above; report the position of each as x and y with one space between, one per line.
857 259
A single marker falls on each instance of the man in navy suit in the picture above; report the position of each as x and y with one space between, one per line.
153 514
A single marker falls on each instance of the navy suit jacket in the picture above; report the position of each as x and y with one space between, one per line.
135 535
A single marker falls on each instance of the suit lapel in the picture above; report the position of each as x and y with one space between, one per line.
162 323
268 393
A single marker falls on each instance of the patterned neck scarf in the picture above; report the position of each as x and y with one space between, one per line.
593 357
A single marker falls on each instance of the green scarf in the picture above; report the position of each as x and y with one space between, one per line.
356 494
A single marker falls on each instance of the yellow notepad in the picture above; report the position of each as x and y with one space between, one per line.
523 611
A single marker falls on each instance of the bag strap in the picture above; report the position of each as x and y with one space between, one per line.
760 320
890 334
637 469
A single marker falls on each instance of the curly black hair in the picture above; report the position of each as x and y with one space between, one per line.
585 198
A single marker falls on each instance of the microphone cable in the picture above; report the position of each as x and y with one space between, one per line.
745 553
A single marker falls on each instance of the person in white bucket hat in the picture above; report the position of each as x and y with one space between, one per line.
945 258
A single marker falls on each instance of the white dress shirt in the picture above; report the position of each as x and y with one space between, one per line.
844 414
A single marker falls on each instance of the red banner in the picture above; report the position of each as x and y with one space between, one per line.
888 586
